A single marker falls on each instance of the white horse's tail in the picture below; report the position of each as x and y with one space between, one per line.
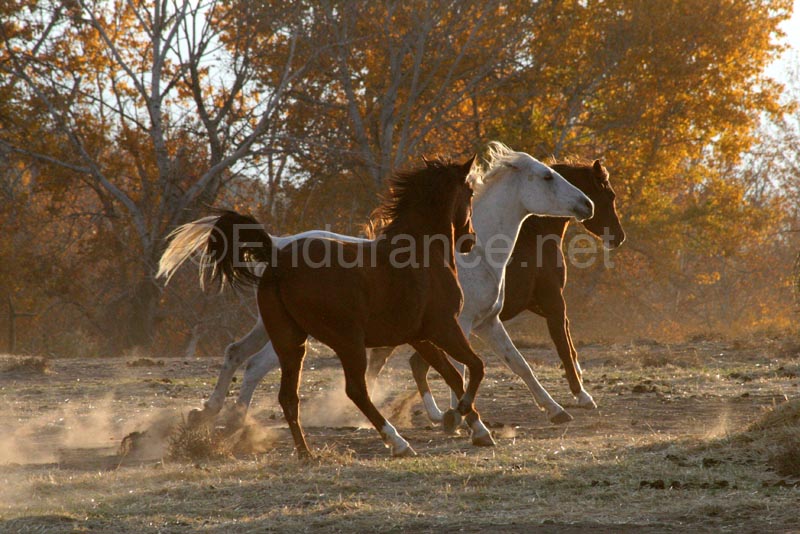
221 237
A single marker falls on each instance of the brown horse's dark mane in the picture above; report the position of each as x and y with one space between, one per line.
408 191
575 162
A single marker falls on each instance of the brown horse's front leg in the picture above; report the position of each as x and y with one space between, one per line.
557 325
452 340
428 355
574 352
584 399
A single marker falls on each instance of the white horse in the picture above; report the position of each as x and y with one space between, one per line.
514 186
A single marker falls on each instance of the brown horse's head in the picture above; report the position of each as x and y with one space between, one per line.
592 179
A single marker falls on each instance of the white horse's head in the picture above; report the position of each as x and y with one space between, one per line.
541 190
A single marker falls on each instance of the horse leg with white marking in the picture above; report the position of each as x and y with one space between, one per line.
419 370
494 333
559 333
354 363
453 341
481 436
235 355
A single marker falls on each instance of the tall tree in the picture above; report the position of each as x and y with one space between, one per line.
150 104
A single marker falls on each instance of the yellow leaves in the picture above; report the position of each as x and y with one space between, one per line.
705 279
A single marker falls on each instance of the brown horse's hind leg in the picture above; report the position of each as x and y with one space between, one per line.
354 363
289 342
451 339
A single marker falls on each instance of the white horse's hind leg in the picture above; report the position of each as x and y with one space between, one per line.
494 333
261 363
235 354
377 358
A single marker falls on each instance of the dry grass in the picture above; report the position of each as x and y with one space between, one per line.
35 365
691 451
197 443
145 362
786 462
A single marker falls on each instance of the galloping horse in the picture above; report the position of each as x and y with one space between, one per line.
535 278
534 188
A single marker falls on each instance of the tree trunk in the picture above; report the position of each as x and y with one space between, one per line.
141 324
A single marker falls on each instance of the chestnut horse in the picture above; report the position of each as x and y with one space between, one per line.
399 288
536 275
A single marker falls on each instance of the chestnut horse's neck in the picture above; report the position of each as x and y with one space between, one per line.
429 232
535 228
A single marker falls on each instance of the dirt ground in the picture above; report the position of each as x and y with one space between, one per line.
667 450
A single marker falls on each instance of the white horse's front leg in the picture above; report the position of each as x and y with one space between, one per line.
494 333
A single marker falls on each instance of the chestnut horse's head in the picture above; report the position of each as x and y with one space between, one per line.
592 179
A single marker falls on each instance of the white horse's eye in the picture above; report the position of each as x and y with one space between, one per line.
548 176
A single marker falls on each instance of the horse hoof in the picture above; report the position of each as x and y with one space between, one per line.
586 402
196 418
485 440
408 452
235 421
305 457
561 417
451 421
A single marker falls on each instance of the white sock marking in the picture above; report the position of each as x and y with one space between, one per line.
434 413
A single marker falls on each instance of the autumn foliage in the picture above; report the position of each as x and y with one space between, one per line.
120 120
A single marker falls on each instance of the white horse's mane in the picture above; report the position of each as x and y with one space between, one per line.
499 157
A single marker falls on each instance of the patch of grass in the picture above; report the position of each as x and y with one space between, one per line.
35 365
786 462
197 443
782 415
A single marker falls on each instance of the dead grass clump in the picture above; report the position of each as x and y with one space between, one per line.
34 365
786 414
786 462
774 438
197 443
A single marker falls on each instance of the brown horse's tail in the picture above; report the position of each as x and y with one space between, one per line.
235 249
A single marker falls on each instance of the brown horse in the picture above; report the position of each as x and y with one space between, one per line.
399 288
536 275
537 272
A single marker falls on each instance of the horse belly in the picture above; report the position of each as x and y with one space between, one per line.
395 316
